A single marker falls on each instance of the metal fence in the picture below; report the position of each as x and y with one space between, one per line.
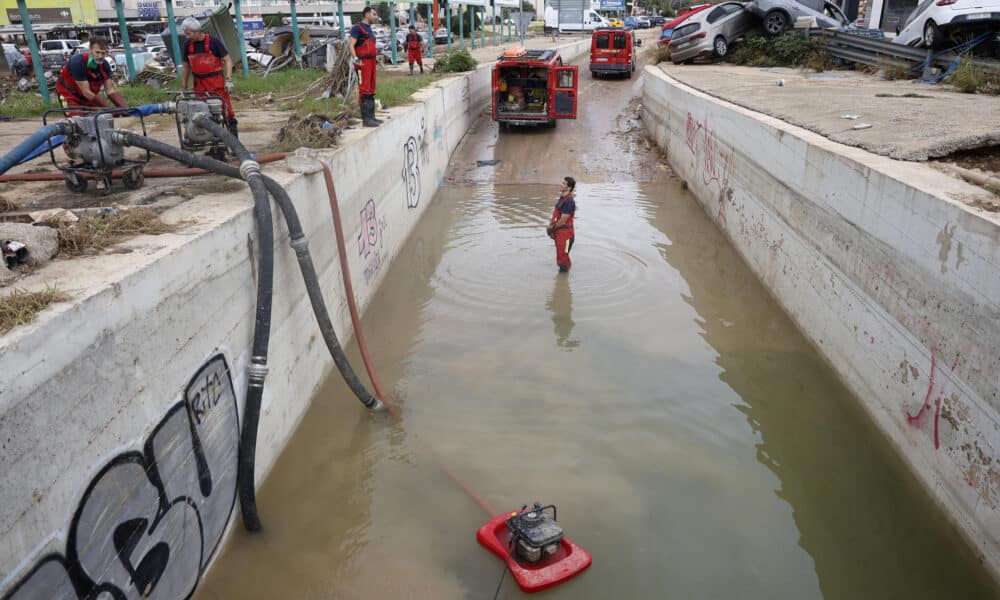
874 52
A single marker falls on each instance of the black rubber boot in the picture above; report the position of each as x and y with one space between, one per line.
377 120
411 69
233 126
368 111
421 68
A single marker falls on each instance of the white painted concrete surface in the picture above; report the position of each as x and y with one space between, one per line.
896 282
119 411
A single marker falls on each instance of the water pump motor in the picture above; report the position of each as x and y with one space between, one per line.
534 534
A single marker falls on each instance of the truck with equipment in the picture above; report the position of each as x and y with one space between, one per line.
533 87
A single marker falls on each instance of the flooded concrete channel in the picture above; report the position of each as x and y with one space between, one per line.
692 439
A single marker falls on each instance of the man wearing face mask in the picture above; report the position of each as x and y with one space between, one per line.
83 76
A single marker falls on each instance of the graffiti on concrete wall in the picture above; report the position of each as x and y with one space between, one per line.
411 172
371 240
150 521
713 160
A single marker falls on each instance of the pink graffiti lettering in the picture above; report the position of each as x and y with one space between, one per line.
915 420
691 137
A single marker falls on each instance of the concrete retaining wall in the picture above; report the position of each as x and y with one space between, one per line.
896 283
120 411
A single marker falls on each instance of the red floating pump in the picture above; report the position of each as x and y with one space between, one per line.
534 547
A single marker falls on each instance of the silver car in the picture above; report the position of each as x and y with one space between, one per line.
710 32
780 15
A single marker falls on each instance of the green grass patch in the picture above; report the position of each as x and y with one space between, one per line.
790 49
139 93
288 81
455 61
18 105
21 105
397 91
970 79
21 307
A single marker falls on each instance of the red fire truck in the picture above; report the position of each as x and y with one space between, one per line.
533 87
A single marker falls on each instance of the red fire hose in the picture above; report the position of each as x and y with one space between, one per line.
363 346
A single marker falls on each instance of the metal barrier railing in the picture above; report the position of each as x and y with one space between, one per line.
874 52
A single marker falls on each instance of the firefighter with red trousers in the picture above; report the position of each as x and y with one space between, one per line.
207 60
83 76
414 49
560 226
363 53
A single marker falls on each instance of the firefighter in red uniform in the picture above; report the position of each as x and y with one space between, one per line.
83 76
207 60
560 226
414 49
363 53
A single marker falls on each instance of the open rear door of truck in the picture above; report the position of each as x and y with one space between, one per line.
495 89
564 94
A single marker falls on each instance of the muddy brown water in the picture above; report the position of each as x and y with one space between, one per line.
693 440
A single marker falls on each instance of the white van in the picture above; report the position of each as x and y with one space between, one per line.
591 20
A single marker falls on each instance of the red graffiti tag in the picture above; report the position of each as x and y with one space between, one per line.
914 420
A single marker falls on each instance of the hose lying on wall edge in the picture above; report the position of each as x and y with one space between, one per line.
147 173
32 142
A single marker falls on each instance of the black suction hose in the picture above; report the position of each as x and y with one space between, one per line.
298 243
250 171
301 247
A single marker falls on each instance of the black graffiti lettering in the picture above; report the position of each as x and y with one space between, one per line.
149 522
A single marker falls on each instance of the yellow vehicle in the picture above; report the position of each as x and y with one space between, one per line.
615 22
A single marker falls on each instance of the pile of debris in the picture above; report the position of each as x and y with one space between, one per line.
339 80
311 131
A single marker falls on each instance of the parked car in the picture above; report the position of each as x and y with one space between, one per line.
711 32
153 40
631 23
616 22
55 53
780 15
442 35
668 28
642 22
613 51
934 21
657 20
16 61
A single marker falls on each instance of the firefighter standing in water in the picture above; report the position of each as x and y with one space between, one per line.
363 54
207 60
414 49
560 226
83 76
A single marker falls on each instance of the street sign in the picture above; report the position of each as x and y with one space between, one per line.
612 5
42 15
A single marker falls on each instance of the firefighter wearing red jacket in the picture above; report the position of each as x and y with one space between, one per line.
363 54
560 226
83 76
207 60
414 47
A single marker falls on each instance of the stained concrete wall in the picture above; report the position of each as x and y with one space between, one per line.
895 282
120 411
